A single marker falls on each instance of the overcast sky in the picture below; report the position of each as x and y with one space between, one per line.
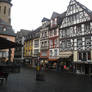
27 14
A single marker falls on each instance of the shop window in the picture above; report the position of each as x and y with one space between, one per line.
89 56
80 56
84 56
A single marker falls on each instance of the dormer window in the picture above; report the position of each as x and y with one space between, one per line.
53 22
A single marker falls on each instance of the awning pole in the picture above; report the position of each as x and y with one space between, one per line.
9 59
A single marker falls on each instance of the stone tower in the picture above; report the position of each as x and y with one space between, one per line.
5 11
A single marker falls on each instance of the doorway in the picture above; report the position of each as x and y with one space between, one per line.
86 69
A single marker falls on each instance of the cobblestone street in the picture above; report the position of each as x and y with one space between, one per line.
54 82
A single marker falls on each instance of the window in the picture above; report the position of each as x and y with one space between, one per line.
79 30
89 55
68 33
87 28
36 43
63 33
51 43
55 32
84 56
5 10
45 34
4 29
79 43
4 54
42 45
56 42
45 43
53 22
88 42
63 44
0 8
51 33
55 52
51 53
80 56
68 43
36 51
9 12
44 53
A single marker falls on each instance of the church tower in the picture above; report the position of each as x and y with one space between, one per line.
5 11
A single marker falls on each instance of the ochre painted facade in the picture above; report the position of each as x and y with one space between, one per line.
28 48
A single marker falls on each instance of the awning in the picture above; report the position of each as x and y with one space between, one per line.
6 44
43 58
65 54
82 62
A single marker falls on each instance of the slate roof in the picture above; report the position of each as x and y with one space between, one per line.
33 34
9 31
54 15
36 33
45 19
22 33
60 18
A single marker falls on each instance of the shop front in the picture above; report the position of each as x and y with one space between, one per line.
83 68
65 61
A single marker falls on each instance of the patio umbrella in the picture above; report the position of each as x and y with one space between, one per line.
6 44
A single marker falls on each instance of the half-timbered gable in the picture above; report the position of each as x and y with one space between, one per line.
76 13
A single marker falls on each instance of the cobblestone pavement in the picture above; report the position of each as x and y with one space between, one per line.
54 82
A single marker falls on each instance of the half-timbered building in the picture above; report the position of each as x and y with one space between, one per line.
76 37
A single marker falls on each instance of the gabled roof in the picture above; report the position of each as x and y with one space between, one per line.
45 19
54 15
33 34
9 31
36 33
88 11
60 18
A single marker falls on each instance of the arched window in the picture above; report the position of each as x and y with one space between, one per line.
5 10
